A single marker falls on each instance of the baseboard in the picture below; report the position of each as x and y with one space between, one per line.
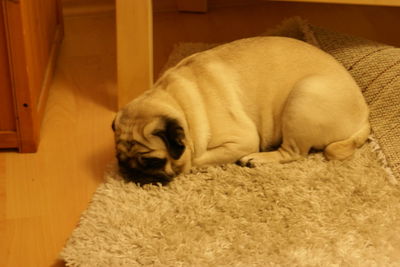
81 9
70 10
170 5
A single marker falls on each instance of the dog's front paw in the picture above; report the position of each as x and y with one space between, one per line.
248 161
261 158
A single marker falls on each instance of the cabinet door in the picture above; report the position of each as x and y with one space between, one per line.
8 128
34 30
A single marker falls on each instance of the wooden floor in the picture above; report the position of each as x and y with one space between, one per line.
42 195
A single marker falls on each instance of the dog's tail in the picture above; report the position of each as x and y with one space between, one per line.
345 148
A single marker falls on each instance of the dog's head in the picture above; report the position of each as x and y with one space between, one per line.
150 148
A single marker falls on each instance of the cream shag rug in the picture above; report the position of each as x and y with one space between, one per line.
311 212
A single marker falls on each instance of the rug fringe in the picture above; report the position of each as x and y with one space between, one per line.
382 159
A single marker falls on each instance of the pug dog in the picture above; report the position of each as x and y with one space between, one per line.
251 101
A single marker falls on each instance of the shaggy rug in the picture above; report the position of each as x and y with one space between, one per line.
310 212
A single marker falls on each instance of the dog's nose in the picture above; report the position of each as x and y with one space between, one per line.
139 177
152 163
123 165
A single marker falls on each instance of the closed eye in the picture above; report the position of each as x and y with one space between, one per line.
152 163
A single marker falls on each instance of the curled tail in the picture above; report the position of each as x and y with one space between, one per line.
345 148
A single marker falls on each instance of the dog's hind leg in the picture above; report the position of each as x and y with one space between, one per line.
320 113
345 148
281 155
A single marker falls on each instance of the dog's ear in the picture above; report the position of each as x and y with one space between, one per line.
172 135
113 125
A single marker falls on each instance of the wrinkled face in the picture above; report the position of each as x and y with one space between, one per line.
150 150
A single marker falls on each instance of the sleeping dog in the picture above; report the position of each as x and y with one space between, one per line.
252 101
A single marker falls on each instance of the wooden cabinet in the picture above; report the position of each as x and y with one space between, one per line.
30 35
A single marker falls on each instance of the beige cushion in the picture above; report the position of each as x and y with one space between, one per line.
375 67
